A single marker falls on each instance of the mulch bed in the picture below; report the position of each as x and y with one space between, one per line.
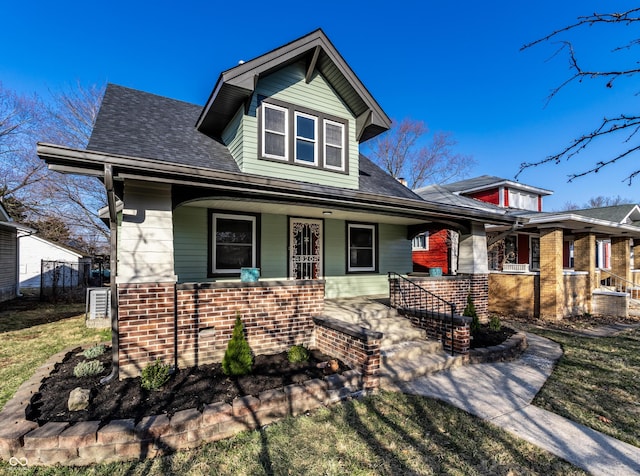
187 388
486 337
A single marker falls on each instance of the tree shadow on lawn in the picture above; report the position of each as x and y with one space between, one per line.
25 312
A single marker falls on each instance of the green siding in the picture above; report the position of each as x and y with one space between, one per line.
190 243
273 246
191 252
232 137
289 85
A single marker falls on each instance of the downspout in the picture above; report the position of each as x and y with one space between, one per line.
113 239
504 234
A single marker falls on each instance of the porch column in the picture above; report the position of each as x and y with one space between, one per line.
621 257
146 278
584 259
472 256
551 278
636 261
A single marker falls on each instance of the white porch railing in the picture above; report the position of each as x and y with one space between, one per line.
516 267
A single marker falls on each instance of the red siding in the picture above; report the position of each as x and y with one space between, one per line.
565 254
489 196
506 197
523 249
437 256
539 203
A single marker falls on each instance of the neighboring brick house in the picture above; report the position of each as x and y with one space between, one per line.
548 263
265 178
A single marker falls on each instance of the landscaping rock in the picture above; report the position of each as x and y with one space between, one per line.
78 399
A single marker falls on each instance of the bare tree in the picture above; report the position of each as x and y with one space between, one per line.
20 168
597 202
67 119
401 152
619 127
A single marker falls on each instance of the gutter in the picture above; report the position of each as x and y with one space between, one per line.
63 159
113 238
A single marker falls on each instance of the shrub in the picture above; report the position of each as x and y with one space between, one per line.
237 359
95 351
298 353
88 368
470 311
155 375
494 323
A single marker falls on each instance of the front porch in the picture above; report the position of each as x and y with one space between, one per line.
190 324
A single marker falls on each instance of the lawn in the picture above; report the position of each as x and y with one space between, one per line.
384 434
596 382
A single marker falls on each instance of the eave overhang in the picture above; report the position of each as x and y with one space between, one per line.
67 160
236 86
573 224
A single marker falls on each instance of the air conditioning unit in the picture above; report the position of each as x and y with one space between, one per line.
98 303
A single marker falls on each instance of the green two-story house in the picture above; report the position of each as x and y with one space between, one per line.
258 203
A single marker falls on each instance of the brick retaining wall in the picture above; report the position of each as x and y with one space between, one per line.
91 442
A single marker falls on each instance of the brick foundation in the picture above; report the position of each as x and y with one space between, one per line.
275 314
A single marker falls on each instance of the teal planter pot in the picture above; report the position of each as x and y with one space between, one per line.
249 275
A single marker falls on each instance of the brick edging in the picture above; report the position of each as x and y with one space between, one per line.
89 442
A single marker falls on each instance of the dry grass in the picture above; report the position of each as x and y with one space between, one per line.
32 332
384 434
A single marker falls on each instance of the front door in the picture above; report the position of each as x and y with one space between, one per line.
305 248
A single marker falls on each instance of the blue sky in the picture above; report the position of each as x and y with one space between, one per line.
457 66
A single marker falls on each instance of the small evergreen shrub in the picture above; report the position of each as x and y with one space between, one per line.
494 323
88 368
298 353
470 311
237 359
95 351
155 375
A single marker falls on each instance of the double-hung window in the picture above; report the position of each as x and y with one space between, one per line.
275 129
334 145
302 136
421 242
233 243
306 138
361 247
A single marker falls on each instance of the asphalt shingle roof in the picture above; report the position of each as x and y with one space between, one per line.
616 213
138 124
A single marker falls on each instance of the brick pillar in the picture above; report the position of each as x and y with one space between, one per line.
551 278
621 257
636 261
584 259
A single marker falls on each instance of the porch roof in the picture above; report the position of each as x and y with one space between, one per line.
574 223
255 187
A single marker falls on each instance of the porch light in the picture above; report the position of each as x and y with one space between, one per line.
327 212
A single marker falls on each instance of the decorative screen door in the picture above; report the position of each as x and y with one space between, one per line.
305 248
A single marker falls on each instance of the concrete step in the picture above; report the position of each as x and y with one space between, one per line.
409 350
393 375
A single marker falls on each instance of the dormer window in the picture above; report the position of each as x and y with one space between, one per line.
302 136
306 133
274 134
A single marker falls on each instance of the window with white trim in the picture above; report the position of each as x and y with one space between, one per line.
421 242
274 133
334 145
302 136
233 243
361 247
306 148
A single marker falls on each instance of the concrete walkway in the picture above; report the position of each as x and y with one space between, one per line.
502 394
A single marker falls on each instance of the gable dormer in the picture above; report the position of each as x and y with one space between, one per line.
501 192
296 112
